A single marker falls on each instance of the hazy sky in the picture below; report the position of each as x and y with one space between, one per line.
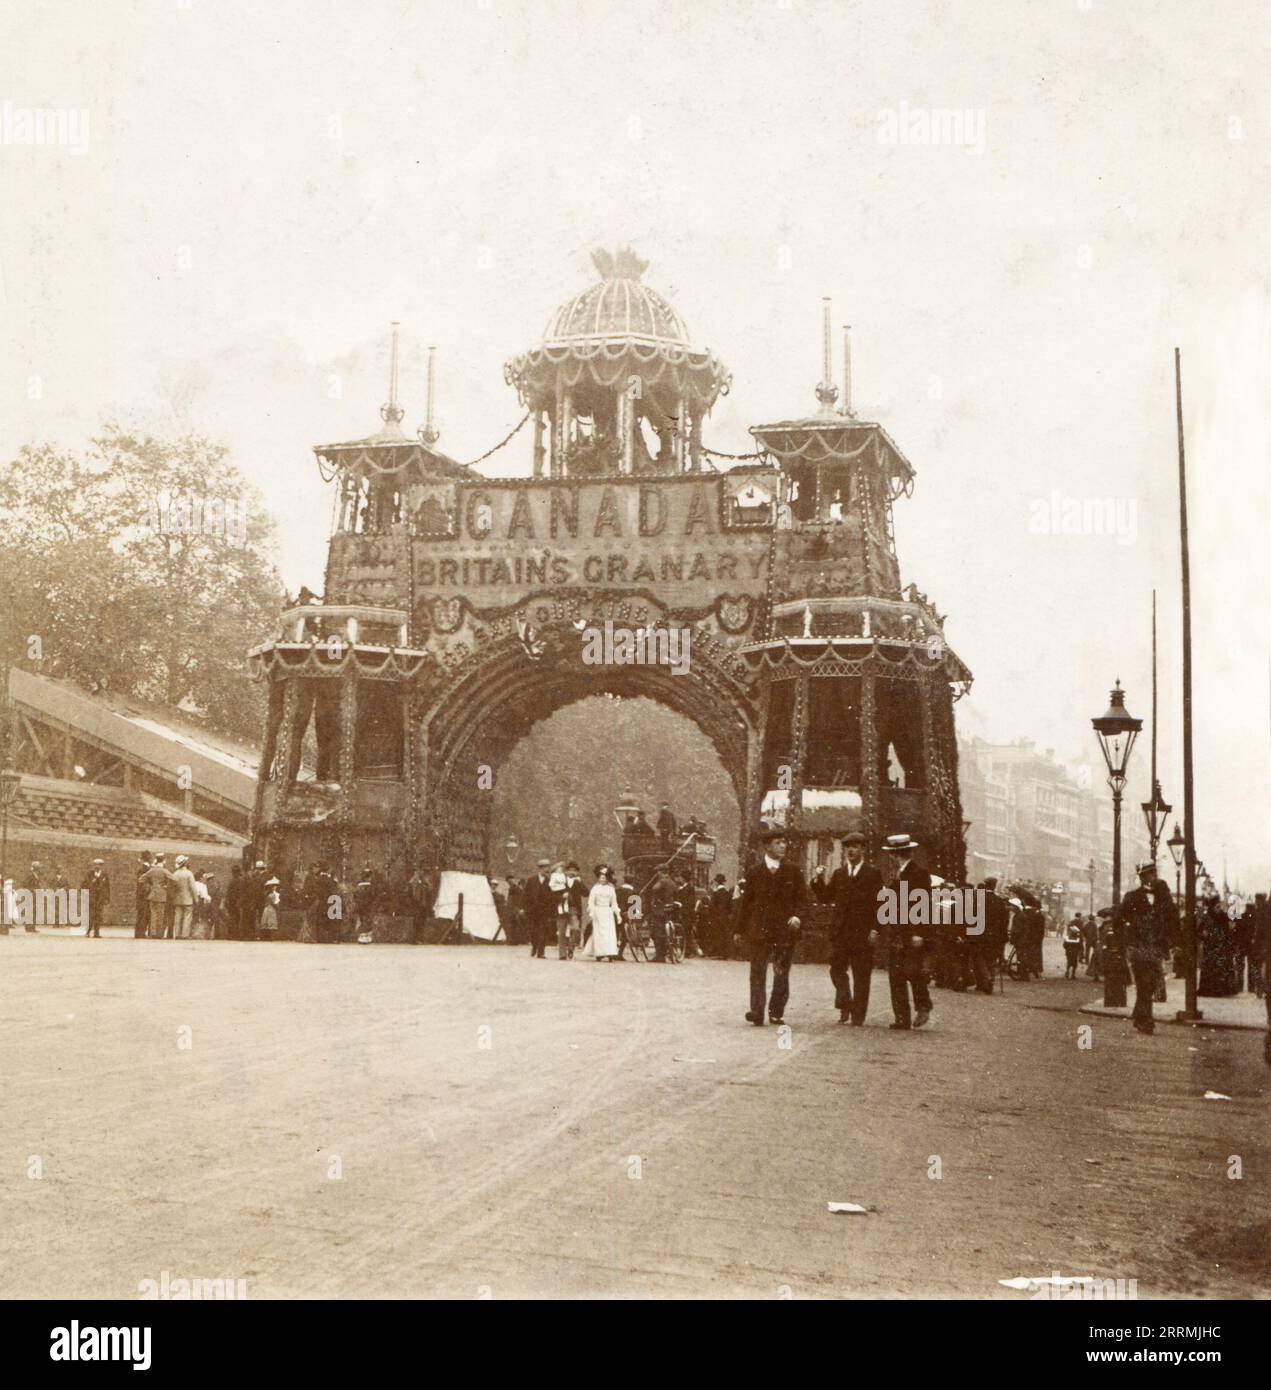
261 187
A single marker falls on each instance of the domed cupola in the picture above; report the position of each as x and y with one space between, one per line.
617 380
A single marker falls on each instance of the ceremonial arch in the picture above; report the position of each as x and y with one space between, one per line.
760 600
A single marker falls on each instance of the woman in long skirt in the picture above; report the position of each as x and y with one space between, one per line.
602 908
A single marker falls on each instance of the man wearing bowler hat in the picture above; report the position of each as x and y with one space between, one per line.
854 890
908 942
771 917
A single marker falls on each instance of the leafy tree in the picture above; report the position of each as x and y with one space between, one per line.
100 561
560 784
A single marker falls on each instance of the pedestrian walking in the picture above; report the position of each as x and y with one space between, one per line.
539 902
987 949
572 905
1072 947
771 917
1143 920
602 909
853 895
97 885
908 944
181 889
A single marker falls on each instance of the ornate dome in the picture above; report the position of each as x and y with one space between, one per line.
618 309
616 329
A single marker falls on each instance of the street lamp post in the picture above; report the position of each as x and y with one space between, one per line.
1116 730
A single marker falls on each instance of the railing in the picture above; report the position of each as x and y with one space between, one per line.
317 621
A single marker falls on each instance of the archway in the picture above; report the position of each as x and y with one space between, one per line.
473 728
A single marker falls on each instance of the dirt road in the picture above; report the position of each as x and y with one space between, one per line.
415 1121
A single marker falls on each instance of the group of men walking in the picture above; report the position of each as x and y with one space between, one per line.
773 911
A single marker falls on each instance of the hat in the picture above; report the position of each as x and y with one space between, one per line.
990 882
260 863
181 859
99 861
854 838
268 881
1147 866
893 844
544 863
768 833
572 865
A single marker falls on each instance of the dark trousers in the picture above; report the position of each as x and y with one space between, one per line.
1144 972
1072 950
907 972
143 913
777 954
94 926
657 929
851 965
982 956
538 936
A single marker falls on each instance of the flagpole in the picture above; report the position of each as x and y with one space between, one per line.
1189 1012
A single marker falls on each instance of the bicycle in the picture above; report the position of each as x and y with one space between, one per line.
674 934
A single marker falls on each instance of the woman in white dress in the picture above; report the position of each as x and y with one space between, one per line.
602 907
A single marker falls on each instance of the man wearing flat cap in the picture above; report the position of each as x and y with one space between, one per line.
771 917
97 886
854 890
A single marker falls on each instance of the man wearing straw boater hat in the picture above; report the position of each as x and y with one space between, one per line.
908 943
771 917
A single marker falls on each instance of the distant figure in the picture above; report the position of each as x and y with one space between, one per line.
602 908
268 928
142 903
156 879
667 827
97 886
34 882
235 901
183 898
1072 947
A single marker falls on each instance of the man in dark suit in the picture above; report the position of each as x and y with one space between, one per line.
1145 919
854 890
539 904
909 943
986 949
770 919
97 886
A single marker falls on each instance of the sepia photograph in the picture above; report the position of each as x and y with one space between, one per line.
760 502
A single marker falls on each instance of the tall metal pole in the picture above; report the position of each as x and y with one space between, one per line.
1116 846
1189 1010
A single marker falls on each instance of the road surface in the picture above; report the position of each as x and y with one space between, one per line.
364 1121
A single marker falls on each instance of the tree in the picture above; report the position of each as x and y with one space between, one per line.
121 562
